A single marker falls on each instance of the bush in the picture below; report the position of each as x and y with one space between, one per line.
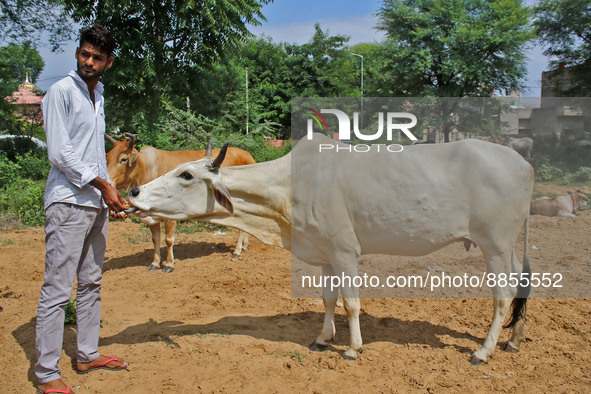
561 152
12 148
21 195
70 317
549 173
9 171
582 175
253 144
180 129
34 165
23 198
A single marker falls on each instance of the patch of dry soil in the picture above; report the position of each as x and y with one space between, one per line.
218 325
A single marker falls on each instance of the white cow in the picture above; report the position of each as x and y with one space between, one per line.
523 146
408 203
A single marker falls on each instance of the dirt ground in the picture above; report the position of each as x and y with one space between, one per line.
219 325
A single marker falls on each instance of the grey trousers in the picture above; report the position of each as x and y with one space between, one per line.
75 240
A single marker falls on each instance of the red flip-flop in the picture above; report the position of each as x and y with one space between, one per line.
103 365
68 390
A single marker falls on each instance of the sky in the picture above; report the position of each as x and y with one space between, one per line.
293 21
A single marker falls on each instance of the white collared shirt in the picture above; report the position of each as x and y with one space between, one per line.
75 131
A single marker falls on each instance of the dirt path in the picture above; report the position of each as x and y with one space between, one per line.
218 325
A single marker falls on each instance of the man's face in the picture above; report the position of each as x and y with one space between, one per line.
92 61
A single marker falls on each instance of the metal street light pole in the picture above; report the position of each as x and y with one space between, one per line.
361 114
247 101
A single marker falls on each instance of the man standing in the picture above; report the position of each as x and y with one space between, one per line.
77 196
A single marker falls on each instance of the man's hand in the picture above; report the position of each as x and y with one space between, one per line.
112 198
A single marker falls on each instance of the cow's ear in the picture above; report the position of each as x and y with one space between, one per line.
222 196
132 158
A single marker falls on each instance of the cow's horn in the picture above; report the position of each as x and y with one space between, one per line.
208 151
131 139
218 160
110 139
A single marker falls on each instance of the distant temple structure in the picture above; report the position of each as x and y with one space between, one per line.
27 102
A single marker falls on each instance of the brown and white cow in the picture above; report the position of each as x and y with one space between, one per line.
129 168
559 206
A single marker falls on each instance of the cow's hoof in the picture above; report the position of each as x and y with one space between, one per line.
167 270
509 348
351 354
236 256
153 268
476 361
318 347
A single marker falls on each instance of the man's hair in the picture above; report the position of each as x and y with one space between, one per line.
99 36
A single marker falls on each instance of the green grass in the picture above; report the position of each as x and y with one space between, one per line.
295 355
6 242
70 312
144 235
193 226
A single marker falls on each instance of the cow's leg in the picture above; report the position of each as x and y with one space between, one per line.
565 214
352 307
242 245
346 268
518 327
344 263
329 297
170 227
512 345
155 230
501 307
497 263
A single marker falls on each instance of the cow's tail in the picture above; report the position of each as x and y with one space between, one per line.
520 300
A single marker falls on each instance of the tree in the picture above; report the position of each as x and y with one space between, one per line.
276 73
16 61
161 45
453 48
565 25
223 94
322 67
29 19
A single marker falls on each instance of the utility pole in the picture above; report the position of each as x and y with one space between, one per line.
361 114
188 112
247 101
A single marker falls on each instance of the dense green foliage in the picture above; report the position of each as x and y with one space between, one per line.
562 159
189 72
29 19
70 316
16 61
22 184
181 129
565 26
277 72
164 47
454 48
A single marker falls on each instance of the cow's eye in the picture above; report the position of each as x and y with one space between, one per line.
186 176
123 160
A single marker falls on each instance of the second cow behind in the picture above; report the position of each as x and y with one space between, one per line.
129 168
